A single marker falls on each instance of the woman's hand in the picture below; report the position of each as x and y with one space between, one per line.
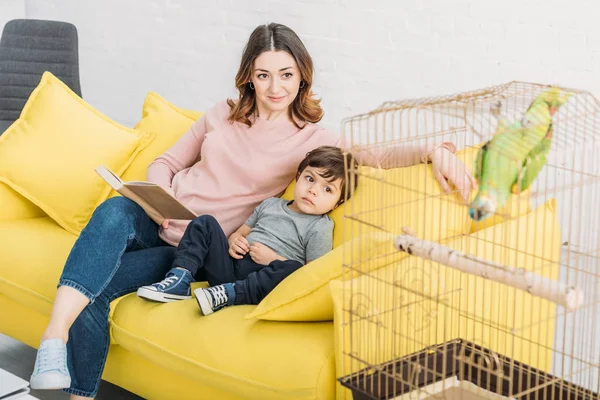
165 223
238 246
262 254
447 168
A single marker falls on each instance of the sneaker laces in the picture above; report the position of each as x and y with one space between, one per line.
50 358
219 295
168 281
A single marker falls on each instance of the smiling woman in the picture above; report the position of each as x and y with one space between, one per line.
275 78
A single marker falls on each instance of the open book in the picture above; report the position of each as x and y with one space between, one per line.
156 201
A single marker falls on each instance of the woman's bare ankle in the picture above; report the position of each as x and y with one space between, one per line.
55 333
73 397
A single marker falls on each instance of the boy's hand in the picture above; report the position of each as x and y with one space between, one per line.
238 246
262 254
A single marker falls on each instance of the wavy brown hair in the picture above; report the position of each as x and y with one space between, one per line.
275 37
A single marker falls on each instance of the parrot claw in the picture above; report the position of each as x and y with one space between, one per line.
516 189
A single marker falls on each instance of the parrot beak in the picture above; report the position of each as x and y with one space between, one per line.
481 208
476 215
553 110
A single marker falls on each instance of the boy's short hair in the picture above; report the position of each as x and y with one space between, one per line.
335 162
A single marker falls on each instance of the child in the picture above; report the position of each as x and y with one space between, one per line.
280 237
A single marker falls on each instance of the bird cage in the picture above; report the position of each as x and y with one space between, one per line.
458 306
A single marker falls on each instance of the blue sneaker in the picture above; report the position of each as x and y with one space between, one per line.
175 286
215 297
50 370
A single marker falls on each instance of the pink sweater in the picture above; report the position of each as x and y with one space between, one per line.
239 166
226 170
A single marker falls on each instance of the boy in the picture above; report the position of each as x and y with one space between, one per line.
275 241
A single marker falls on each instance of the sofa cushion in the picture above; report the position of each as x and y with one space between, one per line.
49 154
14 206
168 123
251 359
32 256
305 296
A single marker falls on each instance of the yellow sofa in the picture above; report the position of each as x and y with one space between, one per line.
283 348
165 351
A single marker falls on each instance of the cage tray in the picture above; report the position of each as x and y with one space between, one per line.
464 362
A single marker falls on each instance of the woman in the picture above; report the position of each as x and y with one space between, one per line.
249 151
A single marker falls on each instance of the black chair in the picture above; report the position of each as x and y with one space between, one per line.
28 48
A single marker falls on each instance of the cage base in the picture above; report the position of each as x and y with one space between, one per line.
459 365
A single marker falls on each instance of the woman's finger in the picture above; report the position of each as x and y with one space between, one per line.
474 184
442 180
463 184
471 178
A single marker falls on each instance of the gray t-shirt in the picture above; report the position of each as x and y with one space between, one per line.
295 236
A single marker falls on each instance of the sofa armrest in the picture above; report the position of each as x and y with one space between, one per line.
14 206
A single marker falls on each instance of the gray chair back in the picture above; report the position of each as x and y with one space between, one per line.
28 48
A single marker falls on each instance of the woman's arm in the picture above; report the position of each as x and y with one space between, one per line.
183 154
447 168
396 155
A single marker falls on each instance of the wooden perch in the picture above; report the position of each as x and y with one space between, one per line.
568 296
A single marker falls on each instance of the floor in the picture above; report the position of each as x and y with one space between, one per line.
18 358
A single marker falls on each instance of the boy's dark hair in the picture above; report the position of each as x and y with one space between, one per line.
336 164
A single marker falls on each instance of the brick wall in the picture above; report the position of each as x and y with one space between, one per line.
11 9
365 52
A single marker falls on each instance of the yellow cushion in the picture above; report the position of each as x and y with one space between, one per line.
14 206
516 205
304 295
168 123
49 154
249 359
191 114
33 255
388 199
394 314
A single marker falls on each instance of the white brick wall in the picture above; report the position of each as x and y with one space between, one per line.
11 9
365 52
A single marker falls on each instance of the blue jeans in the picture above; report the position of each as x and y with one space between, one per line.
117 252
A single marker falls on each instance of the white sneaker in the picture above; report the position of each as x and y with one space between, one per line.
51 371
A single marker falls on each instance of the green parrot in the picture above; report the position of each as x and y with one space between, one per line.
510 162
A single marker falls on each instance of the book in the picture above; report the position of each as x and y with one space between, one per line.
156 201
